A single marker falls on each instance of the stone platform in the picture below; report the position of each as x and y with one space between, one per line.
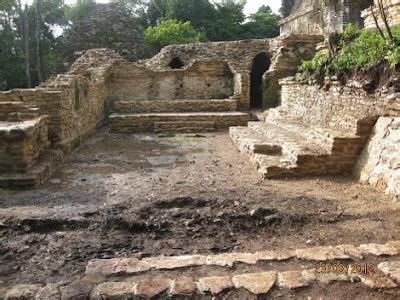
176 122
226 275
283 146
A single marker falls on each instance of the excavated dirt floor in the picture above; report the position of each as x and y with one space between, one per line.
146 195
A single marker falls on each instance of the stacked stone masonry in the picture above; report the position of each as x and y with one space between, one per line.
323 132
221 275
311 17
204 92
392 11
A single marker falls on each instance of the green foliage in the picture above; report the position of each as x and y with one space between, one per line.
356 50
363 52
262 24
79 10
169 32
227 24
316 64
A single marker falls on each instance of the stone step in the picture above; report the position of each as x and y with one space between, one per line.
13 111
149 122
176 106
184 127
252 143
299 156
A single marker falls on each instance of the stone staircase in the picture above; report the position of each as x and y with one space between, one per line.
175 116
283 146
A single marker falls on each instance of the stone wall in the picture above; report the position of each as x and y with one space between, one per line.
22 144
392 9
351 109
200 79
379 164
308 17
286 52
339 107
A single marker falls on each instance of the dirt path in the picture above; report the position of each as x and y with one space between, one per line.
138 196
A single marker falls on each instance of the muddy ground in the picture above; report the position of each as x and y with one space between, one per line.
143 195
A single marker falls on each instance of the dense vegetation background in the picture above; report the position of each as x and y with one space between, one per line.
37 39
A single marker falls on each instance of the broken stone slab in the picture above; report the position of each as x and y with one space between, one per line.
22 291
228 259
214 285
373 278
50 292
174 262
275 255
312 275
153 287
322 253
184 286
392 269
78 289
114 290
292 280
257 283
116 266
394 244
353 252
378 249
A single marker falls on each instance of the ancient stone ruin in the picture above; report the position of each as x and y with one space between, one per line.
199 87
308 131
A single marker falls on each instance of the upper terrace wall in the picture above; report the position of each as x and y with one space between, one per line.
392 9
201 79
339 107
309 17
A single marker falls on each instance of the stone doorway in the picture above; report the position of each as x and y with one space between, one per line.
260 65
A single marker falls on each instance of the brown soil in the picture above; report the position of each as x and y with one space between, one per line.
127 195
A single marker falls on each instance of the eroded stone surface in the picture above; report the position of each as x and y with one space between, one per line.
114 290
153 287
49 292
378 249
392 269
184 286
117 266
312 275
257 283
292 279
174 262
275 255
322 253
215 284
78 289
22 291
228 259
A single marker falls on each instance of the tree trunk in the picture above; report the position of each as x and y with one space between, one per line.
385 20
25 41
376 22
39 56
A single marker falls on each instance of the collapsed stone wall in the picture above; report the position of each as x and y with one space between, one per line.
392 10
200 79
349 108
106 25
